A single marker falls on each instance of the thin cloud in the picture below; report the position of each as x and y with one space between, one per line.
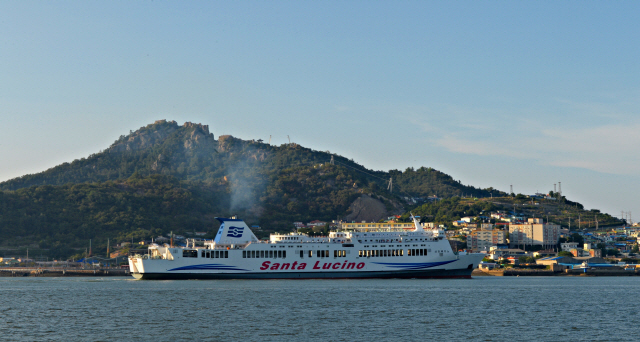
608 149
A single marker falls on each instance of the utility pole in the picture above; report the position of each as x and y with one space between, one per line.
289 139
332 162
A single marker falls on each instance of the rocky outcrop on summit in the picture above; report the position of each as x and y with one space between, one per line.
159 131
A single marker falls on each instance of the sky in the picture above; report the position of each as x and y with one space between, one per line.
496 94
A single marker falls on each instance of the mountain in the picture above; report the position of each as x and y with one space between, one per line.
165 177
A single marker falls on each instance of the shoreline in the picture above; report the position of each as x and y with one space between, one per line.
57 272
549 273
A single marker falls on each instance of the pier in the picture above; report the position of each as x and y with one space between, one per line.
595 272
61 272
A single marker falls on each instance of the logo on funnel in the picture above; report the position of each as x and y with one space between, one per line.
235 232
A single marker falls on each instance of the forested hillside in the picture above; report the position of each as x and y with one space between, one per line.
165 177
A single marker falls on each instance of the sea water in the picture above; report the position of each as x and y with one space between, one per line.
479 309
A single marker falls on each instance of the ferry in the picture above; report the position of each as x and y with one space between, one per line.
236 253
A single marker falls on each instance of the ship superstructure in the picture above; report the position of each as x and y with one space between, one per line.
236 253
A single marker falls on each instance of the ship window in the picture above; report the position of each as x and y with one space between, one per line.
335 253
302 254
189 253
226 254
244 254
202 253
262 254
284 254
208 254
279 254
425 252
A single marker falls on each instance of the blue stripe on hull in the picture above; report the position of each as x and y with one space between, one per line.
461 273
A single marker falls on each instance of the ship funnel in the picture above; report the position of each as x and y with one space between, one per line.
234 231
417 224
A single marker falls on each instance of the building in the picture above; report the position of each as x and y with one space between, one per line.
504 253
486 226
482 240
534 233
316 223
568 246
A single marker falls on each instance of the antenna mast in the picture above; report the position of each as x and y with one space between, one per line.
390 186
559 191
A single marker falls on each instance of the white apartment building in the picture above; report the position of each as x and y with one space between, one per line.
482 240
534 232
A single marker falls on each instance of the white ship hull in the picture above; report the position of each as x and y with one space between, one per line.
420 254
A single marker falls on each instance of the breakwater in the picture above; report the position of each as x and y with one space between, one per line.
61 272
597 272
